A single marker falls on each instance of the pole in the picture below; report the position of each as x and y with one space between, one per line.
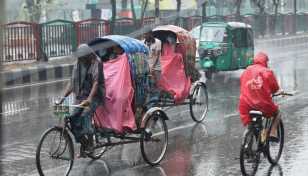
294 22
204 12
157 12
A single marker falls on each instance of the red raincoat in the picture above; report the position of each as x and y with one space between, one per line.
258 83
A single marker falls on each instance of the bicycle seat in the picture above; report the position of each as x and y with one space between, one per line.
254 112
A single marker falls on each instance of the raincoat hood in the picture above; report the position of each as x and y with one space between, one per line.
261 59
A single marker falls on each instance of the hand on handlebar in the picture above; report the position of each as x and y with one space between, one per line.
85 103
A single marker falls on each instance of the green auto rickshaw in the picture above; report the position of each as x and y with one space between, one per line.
225 47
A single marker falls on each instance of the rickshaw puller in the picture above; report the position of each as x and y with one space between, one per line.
88 83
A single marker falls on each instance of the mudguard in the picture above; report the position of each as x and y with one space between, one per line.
208 64
150 112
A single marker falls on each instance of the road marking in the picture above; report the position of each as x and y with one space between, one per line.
15 111
173 129
36 84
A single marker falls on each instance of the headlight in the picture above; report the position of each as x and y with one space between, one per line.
201 51
218 51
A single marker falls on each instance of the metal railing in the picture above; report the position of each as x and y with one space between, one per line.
20 41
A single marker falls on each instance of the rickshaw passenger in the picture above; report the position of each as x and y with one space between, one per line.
154 47
88 83
170 46
107 54
118 50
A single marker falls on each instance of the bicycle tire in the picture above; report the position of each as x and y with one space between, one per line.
144 140
244 153
193 102
280 133
42 170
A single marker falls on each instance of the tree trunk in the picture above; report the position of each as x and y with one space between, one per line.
238 10
134 15
178 8
144 6
275 17
204 12
294 22
114 13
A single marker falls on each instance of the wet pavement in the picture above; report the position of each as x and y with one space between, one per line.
208 148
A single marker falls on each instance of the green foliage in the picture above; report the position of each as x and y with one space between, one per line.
40 9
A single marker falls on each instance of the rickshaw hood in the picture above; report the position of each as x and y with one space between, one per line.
261 59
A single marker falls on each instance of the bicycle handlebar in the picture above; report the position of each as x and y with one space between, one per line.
282 94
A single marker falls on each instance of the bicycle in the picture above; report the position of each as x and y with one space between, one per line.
254 142
55 150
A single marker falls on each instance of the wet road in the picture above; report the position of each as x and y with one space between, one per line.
207 148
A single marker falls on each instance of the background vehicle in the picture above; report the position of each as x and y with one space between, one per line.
225 46
196 33
197 96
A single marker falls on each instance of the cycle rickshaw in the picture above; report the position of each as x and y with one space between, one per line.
183 64
55 151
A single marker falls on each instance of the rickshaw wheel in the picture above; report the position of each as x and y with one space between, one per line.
199 103
154 140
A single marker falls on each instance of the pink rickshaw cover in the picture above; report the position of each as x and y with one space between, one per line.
173 78
117 113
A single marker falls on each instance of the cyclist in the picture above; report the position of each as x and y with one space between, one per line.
258 83
88 83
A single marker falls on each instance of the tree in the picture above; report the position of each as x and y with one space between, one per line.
178 8
275 3
261 19
36 10
113 18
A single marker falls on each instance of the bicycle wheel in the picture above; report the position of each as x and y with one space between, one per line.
54 153
199 103
249 152
274 149
154 140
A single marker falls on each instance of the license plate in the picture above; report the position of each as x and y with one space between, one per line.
209 55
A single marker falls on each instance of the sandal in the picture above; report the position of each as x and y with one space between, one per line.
273 139
250 160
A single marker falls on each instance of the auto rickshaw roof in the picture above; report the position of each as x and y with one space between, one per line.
230 24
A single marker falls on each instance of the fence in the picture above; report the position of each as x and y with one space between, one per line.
57 38
193 21
24 40
172 20
20 41
215 18
124 26
231 17
301 22
90 29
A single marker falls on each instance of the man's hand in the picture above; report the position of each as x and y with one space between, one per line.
61 101
86 102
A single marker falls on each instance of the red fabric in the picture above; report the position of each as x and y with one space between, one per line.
117 113
258 83
173 78
170 50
